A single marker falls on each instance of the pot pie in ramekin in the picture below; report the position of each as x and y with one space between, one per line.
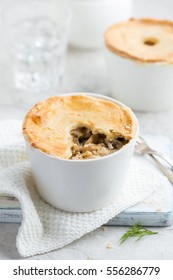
139 54
80 147
79 127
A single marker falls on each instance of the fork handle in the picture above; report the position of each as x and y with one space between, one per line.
165 158
164 170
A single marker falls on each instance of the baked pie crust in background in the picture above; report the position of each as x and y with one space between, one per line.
144 40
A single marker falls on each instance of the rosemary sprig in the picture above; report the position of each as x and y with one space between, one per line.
136 230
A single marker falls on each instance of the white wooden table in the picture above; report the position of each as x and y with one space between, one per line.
86 71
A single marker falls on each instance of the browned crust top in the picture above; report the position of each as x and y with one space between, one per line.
127 40
48 124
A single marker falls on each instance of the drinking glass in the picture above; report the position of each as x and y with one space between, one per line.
36 38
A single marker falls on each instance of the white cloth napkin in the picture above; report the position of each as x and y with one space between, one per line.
43 227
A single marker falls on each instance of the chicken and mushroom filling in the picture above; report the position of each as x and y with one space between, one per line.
88 144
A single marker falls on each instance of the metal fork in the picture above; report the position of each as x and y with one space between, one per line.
140 149
143 148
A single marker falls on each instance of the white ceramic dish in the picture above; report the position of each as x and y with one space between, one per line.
153 9
142 86
81 185
91 18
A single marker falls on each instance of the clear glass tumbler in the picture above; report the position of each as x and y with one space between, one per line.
36 37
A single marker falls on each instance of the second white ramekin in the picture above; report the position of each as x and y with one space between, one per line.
91 18
142 86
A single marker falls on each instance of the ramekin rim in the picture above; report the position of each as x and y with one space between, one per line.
136 61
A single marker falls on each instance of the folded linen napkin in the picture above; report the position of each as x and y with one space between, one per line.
45 228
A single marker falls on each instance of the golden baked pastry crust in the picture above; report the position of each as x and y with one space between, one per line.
144 40
49 124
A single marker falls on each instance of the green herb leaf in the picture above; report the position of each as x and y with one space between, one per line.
137 230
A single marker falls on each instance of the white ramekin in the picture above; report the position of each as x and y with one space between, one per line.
91 18
81 186
142 86
153 9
